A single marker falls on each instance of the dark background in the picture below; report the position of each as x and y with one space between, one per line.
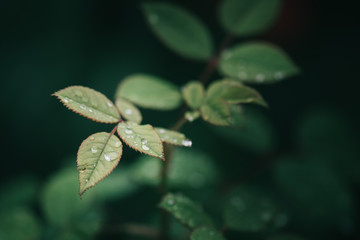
48 45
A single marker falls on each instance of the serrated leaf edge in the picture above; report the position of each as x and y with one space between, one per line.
55 94
77 163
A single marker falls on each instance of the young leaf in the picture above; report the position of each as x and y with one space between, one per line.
185 210
89 103
237 116
128 110
149 92
248 17
216 112
142 138
97 157
257 62
206 233
233 93
192 115
193 93
248 210
173 137
179 30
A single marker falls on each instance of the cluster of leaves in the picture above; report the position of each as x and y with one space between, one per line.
253 62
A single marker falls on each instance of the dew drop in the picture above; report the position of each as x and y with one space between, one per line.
94 164
90 110
153 19
92 138
82 106
128 131
117 144
186 143
66 100
145 147
93 149
128 111
109 104
144 141
86 180
190 118
260 77
161 130
110 156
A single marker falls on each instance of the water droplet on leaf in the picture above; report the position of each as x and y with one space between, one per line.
186 143
82 106
145 147
93 149
128 111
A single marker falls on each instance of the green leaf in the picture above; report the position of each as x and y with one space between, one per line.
248 17
142 138
19 224
216 112
206 233
189 168
173 137
128 110
192 115
257 62
89 103
194 94
233 93
149 92
97 157
185 210
60 200
286 237
179 30
249 210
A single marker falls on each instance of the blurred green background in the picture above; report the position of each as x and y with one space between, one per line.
303 151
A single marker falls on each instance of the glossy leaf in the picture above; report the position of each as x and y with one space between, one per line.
233 93
185 210
181 31
189 168
128 110
248 17
192 115
206 233
97 157
257 62
249 210
173 137
60 200
194 94
216 112
89 103
149 92
142 138
19 224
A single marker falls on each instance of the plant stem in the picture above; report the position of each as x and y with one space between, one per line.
213 62
168 150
